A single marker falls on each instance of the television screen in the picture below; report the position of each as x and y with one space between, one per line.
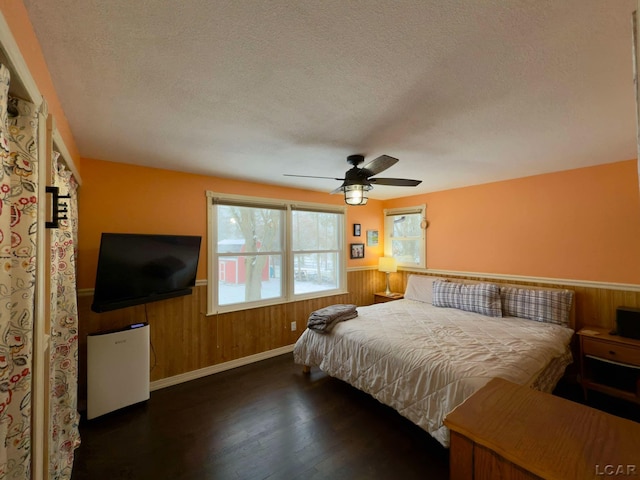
140 268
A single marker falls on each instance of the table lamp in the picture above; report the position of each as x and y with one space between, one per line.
387 265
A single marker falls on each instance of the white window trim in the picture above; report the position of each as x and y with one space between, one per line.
420 209
287 253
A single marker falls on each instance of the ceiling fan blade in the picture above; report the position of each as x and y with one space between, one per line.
396 182
379 164
310 176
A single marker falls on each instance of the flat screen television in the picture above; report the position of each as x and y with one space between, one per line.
139 268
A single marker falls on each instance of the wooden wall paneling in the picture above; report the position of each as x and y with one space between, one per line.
583 303
593 306
260 330
603 306
158 332
174 335
364 283
597 306
297 312
185 339
247 332
266 329
207 331
280 328
624 298
204 329
200 330
226 322
253 325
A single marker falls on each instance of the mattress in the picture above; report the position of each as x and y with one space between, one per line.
423 360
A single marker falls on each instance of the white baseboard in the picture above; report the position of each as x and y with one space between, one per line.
221 367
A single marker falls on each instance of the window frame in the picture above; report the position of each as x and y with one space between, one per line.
389 213
286 235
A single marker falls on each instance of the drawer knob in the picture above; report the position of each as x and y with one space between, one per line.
611 352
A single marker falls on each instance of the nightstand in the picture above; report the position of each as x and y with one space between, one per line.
609 364
381 297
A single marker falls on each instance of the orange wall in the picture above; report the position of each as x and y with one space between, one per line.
369 217
17 18
581 224
121 198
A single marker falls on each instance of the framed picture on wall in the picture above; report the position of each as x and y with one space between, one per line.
356 229
372 238
357 250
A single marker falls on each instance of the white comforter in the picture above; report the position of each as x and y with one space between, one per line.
423 361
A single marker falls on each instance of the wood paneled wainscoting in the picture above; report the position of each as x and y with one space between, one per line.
185 340
595 302
187 343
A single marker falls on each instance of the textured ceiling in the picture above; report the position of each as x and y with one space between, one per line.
462 92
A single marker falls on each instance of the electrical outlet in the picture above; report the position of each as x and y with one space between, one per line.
294 326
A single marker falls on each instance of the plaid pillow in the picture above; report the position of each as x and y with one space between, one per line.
481 298
549 306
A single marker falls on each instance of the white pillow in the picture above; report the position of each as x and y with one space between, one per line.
420 288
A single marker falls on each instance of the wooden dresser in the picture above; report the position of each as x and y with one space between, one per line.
512 432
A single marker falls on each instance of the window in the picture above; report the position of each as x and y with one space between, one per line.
264 251
249 251
317 250
404 235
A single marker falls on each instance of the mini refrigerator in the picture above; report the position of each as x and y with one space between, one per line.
117 369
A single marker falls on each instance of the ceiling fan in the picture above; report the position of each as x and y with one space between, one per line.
358 181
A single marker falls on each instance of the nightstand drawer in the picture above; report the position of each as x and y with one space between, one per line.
611 351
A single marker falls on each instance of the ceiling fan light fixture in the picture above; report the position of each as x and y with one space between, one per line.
357 181
356 194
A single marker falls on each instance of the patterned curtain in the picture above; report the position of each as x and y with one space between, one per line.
64 436
18 226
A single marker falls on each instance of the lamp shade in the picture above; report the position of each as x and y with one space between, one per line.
387 264
356 194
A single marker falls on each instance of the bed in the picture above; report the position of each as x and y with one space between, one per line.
425 354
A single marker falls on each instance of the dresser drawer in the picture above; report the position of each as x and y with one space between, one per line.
611 351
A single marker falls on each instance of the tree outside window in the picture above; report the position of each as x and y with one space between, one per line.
250 264
250 250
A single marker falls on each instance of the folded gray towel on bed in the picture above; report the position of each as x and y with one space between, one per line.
324 319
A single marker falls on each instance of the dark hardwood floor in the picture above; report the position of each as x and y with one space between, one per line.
262 421
269 421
